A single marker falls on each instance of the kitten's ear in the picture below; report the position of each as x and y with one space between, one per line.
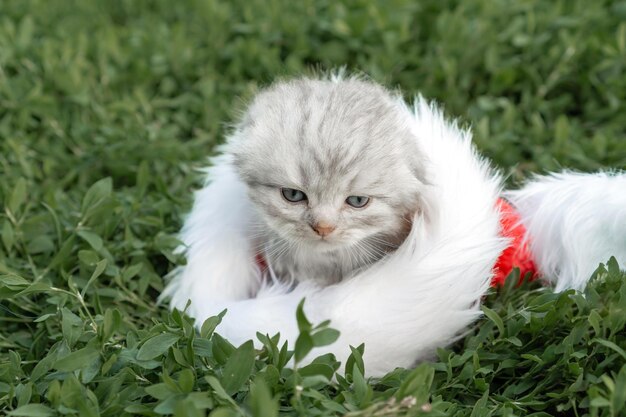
418 162
240 156
420 166
428 206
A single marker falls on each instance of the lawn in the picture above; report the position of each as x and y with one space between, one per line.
108 109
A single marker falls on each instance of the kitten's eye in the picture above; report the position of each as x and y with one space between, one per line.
357 201
293 195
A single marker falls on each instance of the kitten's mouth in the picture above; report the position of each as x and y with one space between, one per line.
326 243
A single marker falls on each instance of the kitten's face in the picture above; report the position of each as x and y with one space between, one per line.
329 164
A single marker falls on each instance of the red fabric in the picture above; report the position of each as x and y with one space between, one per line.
517 254
260 261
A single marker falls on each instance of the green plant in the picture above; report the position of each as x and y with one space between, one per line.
107 109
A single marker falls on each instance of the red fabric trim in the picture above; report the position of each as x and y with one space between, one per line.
517 254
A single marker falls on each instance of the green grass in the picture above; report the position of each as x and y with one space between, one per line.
107 109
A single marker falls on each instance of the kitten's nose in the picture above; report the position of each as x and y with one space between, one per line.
323 229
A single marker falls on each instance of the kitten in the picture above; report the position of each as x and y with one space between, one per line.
335 174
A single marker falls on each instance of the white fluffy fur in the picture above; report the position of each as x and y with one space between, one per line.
422 295
575 222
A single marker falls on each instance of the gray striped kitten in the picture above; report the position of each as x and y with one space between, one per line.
334 172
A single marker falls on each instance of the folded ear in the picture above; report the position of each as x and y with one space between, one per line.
220 257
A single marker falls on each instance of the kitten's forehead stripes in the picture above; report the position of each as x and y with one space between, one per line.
304 176
303 129
304 104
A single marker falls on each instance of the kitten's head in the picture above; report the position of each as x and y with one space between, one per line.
330 163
